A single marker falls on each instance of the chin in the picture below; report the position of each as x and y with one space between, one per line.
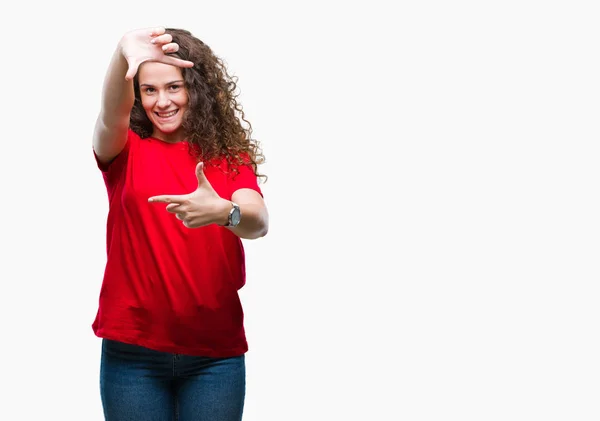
168 129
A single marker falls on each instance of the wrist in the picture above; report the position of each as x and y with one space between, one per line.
233 216
224 209
119 57
121 46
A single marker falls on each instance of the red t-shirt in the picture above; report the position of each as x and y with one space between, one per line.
167 287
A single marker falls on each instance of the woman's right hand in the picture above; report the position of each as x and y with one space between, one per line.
149 44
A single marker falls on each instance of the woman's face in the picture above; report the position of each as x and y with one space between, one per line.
164 98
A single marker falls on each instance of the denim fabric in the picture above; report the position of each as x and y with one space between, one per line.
139 384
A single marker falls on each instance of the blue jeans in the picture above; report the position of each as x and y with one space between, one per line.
139 384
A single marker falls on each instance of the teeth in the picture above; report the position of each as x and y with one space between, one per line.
166 115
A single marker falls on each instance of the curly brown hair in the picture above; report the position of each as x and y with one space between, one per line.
213 122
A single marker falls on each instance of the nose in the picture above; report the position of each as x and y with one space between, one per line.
163 100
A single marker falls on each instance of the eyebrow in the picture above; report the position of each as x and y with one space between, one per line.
166 84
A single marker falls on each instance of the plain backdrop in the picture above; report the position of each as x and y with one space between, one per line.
433 193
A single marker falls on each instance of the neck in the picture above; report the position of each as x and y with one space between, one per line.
174 137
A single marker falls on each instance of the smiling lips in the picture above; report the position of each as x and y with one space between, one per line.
166 115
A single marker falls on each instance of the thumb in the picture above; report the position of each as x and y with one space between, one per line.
133 68
200 173
134 65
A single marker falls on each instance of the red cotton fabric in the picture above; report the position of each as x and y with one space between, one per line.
167 287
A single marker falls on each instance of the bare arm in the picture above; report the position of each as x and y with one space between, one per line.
254 222
110 133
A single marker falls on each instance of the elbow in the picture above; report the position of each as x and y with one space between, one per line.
258 228
258 233
263 232
263 229
265 226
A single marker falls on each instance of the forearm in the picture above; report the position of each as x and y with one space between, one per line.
254 221
110 133
117 93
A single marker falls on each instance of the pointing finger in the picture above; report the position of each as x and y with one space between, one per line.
177 61
167 199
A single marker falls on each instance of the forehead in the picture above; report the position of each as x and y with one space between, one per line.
155 73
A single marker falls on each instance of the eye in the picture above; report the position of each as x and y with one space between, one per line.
174 87
148 90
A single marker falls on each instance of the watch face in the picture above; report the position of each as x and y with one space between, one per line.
235 216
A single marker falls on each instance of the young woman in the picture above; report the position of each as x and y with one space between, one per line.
181 172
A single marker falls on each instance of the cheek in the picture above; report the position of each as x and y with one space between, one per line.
147 103
183 99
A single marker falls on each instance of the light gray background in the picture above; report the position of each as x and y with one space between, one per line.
434 240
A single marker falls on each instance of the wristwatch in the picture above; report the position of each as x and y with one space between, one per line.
235 215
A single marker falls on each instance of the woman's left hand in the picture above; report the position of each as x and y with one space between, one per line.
199 208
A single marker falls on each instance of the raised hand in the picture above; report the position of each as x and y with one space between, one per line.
149 44
201 207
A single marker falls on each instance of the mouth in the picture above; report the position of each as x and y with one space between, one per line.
166 115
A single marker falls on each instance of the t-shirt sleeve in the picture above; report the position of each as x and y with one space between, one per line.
113 170
244 179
